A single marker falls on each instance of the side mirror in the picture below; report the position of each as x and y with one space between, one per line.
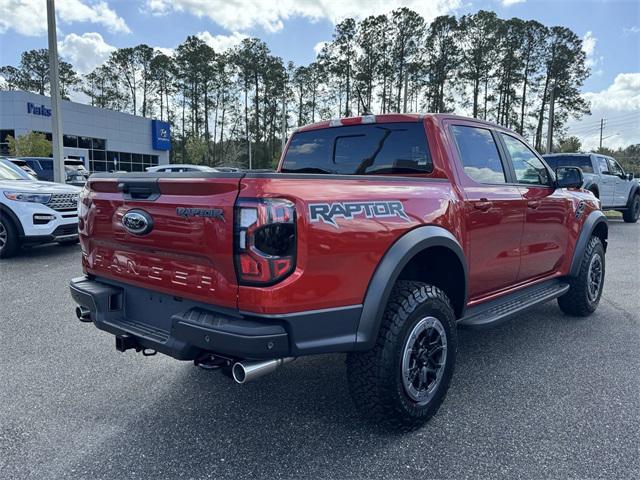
569 177
629 176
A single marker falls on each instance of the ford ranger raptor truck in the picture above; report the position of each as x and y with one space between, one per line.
378 236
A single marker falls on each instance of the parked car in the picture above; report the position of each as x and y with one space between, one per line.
75 171
178 167
186 167
606 179
33 212
378 237
22 165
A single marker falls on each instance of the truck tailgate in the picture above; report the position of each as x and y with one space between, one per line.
188 251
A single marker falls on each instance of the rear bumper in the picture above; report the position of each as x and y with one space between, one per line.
185 329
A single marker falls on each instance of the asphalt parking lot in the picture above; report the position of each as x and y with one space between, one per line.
543 396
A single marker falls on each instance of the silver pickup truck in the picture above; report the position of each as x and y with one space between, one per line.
607 180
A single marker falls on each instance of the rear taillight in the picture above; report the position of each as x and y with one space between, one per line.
85 200
265 240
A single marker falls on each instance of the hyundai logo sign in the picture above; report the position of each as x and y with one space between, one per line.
160 135
38 110
137 222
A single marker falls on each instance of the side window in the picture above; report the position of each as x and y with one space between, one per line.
603 165
616 169
529 168
479 154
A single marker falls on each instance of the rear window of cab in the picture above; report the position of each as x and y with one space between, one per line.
581 161
370 149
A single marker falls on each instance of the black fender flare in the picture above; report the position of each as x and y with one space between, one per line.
4 210
635 190
388 271
594 219
591 184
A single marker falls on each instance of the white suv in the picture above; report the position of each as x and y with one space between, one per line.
34 212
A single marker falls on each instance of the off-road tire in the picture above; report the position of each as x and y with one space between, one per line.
631 214
577 301
375 376
9 237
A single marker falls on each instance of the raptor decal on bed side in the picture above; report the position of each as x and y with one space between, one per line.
329 212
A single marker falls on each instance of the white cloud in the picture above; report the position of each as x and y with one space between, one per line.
508 3
85 52
633 30
593 61
220 43
317 48
619 105
29 17
164 50
589 44
240 15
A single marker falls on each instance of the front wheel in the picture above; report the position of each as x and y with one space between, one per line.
631 214
8 237
403 380
585 289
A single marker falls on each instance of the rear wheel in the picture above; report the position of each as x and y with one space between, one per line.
403 380
8 237
586 289
631 214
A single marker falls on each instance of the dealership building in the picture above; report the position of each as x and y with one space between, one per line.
105 140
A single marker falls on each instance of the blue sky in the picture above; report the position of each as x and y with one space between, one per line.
89 29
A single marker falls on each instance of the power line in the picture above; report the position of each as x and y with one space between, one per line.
594 129
609 120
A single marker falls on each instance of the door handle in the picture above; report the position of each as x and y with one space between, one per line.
483 205
533 204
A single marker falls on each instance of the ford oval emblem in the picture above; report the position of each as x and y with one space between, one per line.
137 222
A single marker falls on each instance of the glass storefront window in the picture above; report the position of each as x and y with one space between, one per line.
99 143
70 141
98 166
98 154
102 161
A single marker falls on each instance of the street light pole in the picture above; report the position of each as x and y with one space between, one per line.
54 77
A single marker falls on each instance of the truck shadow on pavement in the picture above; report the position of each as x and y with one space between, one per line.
511 389
52 250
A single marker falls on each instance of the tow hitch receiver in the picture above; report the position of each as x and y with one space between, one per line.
209 361
126 342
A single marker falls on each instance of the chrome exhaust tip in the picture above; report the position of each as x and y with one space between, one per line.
244 372
83 314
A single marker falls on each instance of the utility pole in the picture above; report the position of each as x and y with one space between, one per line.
56 114
550 127
601 130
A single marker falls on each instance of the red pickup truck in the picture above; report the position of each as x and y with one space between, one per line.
378 236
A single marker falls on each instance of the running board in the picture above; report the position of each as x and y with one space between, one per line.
496 311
